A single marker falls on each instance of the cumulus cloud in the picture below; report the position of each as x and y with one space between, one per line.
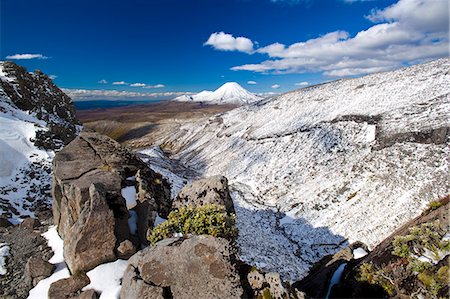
138 84
26 56
103 81
409 31
251 82
304 83
275 86
226 42
120 83
93 94
155 86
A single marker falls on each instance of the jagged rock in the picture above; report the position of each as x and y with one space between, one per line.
256 280
36 93
198 267
30 223
37 269
208 190
68 287
5 223
89 294
91 239
126 249
88 206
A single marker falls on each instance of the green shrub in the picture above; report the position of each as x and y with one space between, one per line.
209 219
375 276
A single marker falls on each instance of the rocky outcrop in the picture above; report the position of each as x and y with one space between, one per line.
198 267
68 287
211 190
36 93
37 269
89 205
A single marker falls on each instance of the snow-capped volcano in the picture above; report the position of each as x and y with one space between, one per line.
228 93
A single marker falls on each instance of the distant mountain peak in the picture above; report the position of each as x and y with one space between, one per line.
228 93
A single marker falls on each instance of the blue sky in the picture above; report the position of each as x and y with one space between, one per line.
167 46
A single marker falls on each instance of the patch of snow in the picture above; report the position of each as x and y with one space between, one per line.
4 253
159 220
132 222
106 279
359 253
371 133
55 242
336 278
129 193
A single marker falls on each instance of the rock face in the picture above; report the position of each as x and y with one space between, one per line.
212 190
36 93
37 269
198 267
68 287
89 208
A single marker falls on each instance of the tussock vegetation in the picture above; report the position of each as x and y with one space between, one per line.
209 219
422 256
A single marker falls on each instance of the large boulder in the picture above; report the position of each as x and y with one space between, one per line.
37 269
93 212
212 190
68 287
198 267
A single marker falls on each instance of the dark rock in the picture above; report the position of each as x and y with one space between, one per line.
68 287
23 243
88 207
5 223
30 223
89 294
212 190
35 92
198 267
37 269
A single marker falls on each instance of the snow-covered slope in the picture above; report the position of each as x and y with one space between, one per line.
25 168
329 164
228 93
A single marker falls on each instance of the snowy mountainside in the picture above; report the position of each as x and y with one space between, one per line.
228 93
350 160
25 160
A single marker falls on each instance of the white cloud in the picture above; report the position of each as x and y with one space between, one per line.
267 94
26 56
275 86
138 84
103 81
227 42
302 83
120 83
251 82
53 77
408 31
155 86
93 94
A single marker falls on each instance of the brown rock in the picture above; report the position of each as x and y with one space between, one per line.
68 287
37 269
198 267
93 221
30 223
256 280
125 250
92 240
212 190
89 294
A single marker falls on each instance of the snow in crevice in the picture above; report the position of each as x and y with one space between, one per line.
4 253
